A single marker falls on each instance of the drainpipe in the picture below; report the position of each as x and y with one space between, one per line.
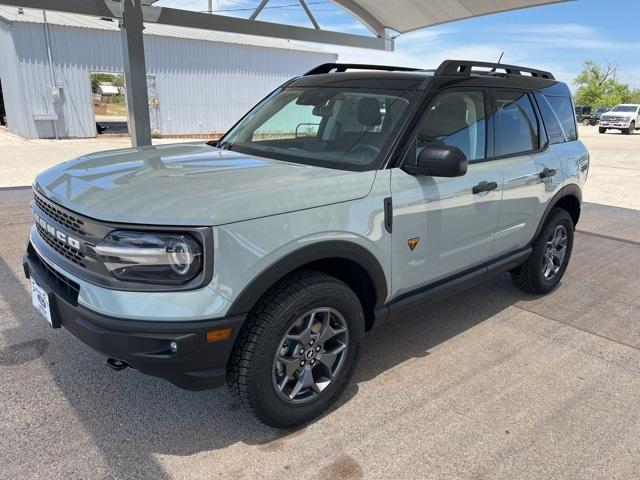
51 69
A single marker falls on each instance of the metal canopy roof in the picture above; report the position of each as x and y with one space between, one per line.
407 15
380 16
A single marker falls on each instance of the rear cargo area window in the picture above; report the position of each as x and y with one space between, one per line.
558 110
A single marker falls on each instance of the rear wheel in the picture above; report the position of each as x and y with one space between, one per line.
550 256
602 130
297 349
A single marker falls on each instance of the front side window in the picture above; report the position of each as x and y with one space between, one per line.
349 129
516 127
456 119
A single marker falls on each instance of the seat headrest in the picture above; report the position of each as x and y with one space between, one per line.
369 112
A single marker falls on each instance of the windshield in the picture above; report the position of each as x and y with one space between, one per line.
349 129
624 108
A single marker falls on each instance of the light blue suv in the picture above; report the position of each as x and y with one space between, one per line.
347 197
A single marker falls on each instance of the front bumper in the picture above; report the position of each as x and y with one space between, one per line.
143 345
606 124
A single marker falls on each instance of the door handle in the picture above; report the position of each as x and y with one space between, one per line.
484 187
547 173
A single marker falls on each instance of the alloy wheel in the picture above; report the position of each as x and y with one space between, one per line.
554 252
310 355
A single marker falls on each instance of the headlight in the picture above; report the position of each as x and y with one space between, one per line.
164 258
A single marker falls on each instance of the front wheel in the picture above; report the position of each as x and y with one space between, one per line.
602 130
550 255
297 350
631 128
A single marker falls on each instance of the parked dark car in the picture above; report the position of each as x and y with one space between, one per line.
582 112
595 116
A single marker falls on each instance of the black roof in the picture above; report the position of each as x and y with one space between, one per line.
458 72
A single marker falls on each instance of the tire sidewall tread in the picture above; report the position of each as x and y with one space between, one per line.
529 276
249 369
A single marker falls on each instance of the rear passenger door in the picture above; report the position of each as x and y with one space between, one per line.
528 166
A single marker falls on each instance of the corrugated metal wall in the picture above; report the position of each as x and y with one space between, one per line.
202 86
11 83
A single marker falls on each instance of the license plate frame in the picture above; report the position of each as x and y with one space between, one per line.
43 301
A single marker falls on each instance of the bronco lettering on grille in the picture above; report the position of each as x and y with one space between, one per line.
54 232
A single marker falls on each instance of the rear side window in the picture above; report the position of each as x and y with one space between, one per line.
516 126
559 119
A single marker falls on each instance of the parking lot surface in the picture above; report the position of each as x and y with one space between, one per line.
493 383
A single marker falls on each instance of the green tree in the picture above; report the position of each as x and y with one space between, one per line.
599 87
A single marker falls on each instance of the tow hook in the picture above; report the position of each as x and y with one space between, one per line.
116 364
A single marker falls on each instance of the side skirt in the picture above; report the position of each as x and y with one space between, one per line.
448 287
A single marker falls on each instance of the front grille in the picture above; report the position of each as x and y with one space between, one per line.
68 289
72 223
614 119
67 251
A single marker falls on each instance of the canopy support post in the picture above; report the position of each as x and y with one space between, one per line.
135 73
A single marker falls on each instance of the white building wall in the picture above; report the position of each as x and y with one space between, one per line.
11 83
202 86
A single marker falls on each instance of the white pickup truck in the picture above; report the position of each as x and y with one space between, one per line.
624 117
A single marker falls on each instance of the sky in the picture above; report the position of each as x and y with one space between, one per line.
556 37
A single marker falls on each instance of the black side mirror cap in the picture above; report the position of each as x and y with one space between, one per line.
439 161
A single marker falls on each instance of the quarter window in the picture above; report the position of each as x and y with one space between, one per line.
516 126
555 130
457 119
565 113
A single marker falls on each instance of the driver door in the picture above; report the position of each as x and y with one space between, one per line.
454 224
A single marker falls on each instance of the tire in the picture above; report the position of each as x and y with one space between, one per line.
631 129
254 373
532 276
602 130
585 122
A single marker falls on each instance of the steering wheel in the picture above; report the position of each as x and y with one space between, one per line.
365 149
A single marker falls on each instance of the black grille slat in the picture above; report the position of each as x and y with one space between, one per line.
68 288
72 223
68 252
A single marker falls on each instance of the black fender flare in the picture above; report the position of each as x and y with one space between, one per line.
326 250
571 190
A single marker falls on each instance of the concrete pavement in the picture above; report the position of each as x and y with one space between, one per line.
493 383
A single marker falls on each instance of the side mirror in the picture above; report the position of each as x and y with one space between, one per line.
439 161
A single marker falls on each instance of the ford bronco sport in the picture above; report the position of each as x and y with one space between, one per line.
346 198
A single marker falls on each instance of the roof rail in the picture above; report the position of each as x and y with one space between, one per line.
465 67
343 67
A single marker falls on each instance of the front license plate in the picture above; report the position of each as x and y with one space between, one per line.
41 300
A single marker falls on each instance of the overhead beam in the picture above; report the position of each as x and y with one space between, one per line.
221 23
183 18
135 73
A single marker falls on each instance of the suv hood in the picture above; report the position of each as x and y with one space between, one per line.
617 114
193 184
